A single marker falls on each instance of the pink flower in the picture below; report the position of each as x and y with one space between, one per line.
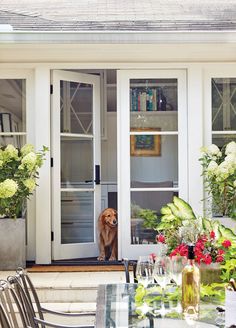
153 256
160 239
226 243
212 235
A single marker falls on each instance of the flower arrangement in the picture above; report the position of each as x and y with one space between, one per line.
179 227
219 171
18 174
207 249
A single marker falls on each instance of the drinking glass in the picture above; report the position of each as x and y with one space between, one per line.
177 263
144 270
161 276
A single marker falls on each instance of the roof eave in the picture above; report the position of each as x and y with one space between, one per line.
101 37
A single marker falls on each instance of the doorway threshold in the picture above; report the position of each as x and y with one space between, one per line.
76 265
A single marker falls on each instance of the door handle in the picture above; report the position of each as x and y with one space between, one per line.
97 174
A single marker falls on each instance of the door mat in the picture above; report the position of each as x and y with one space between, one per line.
75 268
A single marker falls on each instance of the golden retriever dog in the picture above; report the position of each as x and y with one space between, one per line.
107 226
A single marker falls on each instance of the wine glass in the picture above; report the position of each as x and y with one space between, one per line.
144 270
161 276
177 263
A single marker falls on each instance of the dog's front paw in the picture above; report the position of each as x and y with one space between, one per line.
101 258
112 258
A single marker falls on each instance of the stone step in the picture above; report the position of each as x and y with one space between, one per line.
67 295
72 287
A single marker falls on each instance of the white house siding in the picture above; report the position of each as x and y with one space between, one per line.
195 58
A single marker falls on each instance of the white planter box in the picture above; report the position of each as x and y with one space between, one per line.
12 244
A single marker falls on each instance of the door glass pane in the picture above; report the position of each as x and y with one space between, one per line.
221 140
141 231
76 107
154 104
76 163
223 104
154 159
77 217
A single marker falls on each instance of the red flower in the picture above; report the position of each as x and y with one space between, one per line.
212 235
160 239
207 259
219 258
226 243
220 252
181 250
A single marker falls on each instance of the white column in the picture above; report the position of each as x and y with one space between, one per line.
195 137
43 191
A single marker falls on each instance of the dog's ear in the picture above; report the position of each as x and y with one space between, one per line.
116 214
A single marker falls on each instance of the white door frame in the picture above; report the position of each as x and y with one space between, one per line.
65 251
123 114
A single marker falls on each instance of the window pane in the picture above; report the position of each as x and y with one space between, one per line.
154 104
76 107
221 140
77 217
223 104
148 200
12 105
76 163
154 159
17 141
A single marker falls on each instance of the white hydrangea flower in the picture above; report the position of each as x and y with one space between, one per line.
212 167
230 148
10 152
29 160
231 158
30 184
213 150
8 188
26 149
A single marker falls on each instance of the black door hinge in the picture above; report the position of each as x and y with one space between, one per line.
52 236
51 162
51 89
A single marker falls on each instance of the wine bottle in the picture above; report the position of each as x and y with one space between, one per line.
190 286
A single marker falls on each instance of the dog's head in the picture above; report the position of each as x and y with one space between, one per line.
109 217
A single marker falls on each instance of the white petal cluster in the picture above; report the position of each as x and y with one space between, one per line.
8 188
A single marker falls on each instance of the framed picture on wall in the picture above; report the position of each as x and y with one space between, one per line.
145 144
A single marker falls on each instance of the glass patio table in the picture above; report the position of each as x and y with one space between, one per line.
116 308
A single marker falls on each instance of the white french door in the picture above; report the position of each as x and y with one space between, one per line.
76 148
152 158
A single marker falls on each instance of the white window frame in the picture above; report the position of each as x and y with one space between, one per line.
29 133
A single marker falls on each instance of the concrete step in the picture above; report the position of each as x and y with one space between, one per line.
72 287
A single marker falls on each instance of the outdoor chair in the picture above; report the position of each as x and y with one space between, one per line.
8 297
127 263
27 295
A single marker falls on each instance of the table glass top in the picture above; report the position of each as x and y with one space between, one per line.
120 306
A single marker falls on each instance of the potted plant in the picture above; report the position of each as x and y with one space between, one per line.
213 242
18 175
219 172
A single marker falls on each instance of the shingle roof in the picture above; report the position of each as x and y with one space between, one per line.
156 15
